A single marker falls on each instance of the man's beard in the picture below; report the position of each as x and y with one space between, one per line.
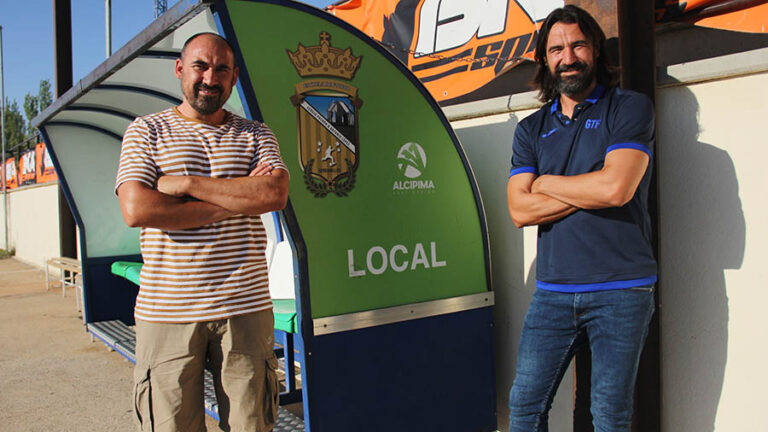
207 105
574 84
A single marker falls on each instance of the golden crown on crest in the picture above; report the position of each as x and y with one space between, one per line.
324 60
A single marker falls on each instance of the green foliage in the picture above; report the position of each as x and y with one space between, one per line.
31 110
44 95
34 105
15 126
7 254
17 129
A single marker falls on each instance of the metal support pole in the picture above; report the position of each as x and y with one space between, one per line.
637 50
108 24
2 138
62 39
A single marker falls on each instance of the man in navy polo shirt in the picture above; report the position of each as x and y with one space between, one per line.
580 171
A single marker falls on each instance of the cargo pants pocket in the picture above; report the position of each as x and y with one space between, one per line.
271 391
142 399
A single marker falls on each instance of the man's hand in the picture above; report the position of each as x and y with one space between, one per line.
262 169
529 208
173 185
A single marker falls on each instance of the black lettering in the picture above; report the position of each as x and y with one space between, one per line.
441 61
527 43
515 48
444 74
449 20
509 44
483 58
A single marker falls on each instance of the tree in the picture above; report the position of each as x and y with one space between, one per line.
33 105
14 124
31 110
44 95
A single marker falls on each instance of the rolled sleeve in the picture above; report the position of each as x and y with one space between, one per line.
523 153
633 125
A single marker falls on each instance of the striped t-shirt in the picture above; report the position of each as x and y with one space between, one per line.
218 270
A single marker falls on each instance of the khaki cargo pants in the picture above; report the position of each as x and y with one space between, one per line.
168 378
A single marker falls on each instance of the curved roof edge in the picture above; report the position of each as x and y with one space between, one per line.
173 18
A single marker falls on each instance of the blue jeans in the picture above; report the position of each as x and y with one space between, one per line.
614 324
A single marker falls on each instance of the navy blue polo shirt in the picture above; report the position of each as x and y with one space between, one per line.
591 250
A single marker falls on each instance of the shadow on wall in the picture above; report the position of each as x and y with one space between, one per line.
702 233
489 150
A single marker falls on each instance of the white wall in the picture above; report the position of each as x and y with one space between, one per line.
33 222
712 157
3 226
488 144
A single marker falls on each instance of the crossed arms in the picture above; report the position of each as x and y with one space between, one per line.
263 190
539 200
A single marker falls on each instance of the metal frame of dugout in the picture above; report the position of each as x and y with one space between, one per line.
388 250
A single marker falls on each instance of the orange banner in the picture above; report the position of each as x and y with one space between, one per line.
11 180
736 15
752 20
26 174
43 165
453 46
668 10
458 46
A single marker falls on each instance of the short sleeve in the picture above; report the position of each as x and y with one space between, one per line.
633 124
523 152
267 149
136 161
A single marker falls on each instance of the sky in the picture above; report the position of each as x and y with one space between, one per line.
27 38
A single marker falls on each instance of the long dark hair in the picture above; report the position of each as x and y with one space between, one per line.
607 74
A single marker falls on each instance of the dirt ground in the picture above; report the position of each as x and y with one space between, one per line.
52 377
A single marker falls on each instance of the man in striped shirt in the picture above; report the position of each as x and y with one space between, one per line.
195 178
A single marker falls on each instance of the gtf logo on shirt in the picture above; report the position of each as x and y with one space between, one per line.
592 124
411 163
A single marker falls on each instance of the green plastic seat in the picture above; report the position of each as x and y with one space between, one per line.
283 309
285 314
128 270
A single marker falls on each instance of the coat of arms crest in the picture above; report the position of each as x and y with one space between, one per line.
327 115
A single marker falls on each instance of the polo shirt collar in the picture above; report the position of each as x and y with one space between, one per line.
555 105
595 96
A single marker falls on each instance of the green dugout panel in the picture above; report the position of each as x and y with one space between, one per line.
385 226
380 189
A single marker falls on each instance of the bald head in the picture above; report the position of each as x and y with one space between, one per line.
211 36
